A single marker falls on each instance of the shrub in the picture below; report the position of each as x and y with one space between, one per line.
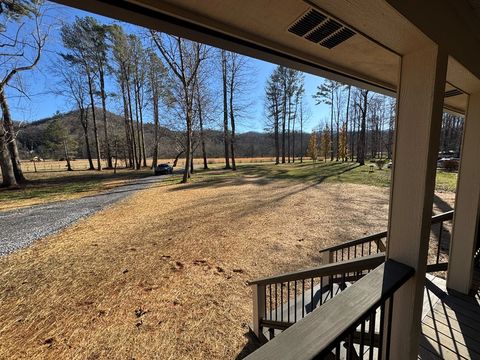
450 165
380 164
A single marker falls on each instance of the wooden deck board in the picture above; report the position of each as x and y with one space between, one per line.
450 324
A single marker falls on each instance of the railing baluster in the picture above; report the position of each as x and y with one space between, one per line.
288 300
303 298
369 248
362 339
381 330
389 326
276 307
439 241
350 346
321 290
281 301
337 352
372 334
295 304
271 314
311 295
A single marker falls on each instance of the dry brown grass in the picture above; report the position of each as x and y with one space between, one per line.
167 278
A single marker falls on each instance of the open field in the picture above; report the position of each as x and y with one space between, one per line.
82 164
166 279
46 186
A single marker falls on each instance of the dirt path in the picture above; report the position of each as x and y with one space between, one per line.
166 279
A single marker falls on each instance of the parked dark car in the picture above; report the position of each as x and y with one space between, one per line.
163 169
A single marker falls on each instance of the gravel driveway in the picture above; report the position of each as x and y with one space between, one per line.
20 228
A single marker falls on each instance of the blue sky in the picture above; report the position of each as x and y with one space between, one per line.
40 83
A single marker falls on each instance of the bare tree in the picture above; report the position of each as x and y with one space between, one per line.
122 54
158 90
77 38
20 52
225 108
183 58
72 86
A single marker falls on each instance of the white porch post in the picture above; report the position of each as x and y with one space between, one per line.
466 217
419 116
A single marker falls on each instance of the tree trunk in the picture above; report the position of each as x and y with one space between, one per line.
284 115
10 138
288 128
95 130
232 123
331 127
137 124
176 158
301 134
143 138
188 154
128 135
87 140
67 156
361 152
202 134
105 121
346 121
132 127
156 127
8 175
225 110
276 128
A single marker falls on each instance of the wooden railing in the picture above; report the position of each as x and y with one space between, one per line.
280 301
354 324
376 243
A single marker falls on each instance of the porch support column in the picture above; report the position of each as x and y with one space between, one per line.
466 216
419 117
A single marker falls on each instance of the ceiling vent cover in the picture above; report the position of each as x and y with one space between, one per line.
319 28
453 92
307 22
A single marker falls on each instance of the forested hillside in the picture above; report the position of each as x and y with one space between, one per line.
44 138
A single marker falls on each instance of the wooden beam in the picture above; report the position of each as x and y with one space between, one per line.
467 202
419 117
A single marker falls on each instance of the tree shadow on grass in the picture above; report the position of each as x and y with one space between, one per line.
264 175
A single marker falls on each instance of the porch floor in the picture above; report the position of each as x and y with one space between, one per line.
450 323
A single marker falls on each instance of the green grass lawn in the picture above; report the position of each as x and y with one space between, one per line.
340 172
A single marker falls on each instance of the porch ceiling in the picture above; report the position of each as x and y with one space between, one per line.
259 28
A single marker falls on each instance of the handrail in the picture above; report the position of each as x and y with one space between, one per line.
322 332
353 265
376 236
435 219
